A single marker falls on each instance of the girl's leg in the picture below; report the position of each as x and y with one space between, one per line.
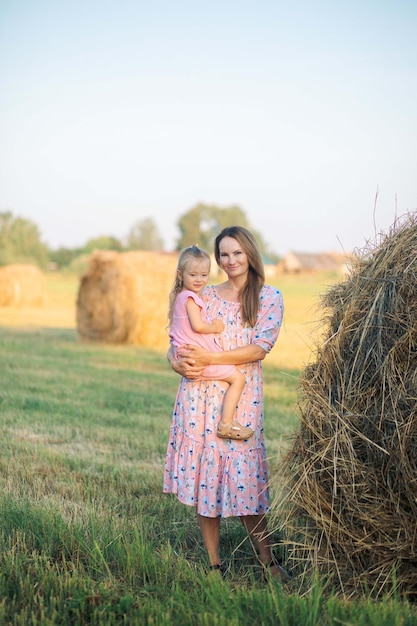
232 396
257 528
210 531
228 427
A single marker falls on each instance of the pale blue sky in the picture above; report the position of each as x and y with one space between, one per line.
297 111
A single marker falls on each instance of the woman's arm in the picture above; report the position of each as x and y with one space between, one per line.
238 356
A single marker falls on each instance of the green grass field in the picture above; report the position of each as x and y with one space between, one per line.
86 536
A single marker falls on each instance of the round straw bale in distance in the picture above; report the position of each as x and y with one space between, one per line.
351 472
123 298
22 285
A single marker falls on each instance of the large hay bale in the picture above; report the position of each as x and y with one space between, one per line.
123 298
351 472
22 285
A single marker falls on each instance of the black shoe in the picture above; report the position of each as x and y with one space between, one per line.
218 567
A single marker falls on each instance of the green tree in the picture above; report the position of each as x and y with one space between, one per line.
20 241
106 242
189 225
144 235
64 256
203 222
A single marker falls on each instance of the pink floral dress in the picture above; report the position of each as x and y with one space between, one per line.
223 476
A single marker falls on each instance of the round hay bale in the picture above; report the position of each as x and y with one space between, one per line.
22 286
351 472
123 298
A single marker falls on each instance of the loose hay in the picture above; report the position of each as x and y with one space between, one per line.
351 473
22 286
123 298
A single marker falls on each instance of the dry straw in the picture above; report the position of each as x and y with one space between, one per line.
22 286
123 298
350 503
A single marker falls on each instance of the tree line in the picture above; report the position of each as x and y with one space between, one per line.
21 239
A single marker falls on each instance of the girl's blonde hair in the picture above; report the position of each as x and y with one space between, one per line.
250 293
192 252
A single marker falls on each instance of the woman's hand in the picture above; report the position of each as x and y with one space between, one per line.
196 356
185 365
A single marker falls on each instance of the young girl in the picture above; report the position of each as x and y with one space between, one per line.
189 326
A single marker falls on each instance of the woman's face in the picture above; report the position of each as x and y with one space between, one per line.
233 259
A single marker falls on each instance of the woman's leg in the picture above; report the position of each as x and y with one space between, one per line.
257 527
210 531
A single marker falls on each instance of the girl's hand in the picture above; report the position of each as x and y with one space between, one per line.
218 326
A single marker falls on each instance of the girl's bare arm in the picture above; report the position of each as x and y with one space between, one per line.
196 321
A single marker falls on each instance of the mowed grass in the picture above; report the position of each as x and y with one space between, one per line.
87 537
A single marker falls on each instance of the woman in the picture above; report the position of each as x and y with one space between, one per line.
225 478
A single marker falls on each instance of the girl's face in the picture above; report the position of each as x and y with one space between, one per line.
233 259
195 274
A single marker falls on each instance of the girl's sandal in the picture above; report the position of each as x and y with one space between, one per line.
234 430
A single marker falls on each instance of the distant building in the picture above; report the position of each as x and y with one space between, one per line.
295 262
